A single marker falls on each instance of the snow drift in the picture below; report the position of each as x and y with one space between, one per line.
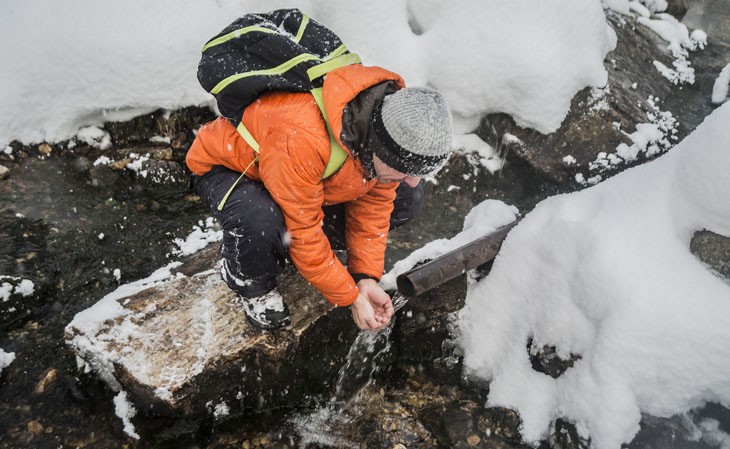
85 62
606 273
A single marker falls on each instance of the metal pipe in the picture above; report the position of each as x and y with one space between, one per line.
452 264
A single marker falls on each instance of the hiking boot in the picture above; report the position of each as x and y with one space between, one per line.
268 311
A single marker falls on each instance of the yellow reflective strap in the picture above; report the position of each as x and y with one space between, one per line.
341 50
337 158
248 137
326 67
337 153
302 27
278 70
243 131
236 33
228 193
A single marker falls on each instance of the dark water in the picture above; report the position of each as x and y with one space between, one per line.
52 209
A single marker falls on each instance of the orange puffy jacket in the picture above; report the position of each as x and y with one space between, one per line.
295 148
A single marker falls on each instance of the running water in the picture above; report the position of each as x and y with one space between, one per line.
327 424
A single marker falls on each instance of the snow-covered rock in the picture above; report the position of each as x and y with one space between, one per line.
175 342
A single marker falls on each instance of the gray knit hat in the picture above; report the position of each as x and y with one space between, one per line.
415 126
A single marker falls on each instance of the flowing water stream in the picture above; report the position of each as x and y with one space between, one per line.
327 424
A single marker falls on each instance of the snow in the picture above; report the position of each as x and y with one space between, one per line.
95 137
201 236
643 7
138 164
680 43
6 358
478 151
125 410
12 285
712 435
107 308
121 63
102 160
160 139
650 139
720 88
221 410
639 9
613 281
526 74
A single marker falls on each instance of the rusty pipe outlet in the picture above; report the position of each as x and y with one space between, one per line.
452 264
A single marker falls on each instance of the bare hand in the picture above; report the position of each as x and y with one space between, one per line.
373 308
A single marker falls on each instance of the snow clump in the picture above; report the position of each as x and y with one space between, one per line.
11 285
720 88
203 234
6 358
96 137
125 410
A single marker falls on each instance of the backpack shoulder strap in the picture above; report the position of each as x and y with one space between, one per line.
338 155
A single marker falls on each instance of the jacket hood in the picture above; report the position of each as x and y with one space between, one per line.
341 86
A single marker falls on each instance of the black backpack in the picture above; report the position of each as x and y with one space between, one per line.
283 50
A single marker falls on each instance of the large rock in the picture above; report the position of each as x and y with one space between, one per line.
182 345
599 118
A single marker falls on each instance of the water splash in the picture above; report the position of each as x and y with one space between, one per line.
327 425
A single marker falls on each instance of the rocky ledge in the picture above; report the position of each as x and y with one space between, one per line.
178 343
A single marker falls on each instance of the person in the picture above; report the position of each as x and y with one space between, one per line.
393 135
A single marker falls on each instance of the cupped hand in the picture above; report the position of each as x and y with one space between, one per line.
373 308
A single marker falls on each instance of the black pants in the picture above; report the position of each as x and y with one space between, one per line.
254 235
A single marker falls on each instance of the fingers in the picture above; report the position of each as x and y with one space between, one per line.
368 324
363 314
378 296
372 310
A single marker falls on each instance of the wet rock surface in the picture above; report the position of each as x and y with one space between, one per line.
600 119
184 347
546 360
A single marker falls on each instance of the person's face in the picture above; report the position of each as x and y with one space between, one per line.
386 174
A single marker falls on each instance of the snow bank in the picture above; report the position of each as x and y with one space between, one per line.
519 56
88 62
606 273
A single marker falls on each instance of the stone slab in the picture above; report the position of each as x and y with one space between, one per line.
179 343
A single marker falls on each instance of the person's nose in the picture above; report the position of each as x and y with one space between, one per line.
412 181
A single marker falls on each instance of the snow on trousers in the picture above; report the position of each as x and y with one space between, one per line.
254 246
